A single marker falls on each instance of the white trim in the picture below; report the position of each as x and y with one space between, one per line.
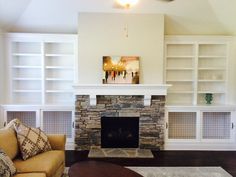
199 146
123 89
40 36
15 107
183 39
212 107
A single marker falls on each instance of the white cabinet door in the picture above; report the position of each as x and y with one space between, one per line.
200 128
29 117
217 126
58 122
182 126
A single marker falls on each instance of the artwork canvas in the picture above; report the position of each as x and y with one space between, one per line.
120 70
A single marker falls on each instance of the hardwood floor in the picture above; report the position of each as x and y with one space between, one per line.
224 159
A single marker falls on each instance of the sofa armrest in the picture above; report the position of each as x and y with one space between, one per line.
57 142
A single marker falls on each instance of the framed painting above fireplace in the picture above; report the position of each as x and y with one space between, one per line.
120 70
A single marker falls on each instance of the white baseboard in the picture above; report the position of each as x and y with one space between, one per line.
201 146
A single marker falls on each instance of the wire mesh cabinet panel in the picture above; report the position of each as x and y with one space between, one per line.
58 122
200 128
29 118
182 125
217 126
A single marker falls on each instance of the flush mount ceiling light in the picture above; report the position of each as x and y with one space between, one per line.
127 3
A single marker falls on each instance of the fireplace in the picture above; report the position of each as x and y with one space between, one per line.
88 119
146 101
119 132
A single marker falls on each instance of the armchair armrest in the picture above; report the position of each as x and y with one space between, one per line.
57 142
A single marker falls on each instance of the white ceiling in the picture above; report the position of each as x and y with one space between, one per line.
60 16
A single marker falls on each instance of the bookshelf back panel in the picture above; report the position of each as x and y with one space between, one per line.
179 63
180 50
26 47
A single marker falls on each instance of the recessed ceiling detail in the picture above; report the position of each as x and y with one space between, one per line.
181 16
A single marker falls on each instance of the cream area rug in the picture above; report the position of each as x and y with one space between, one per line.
177 171
181 171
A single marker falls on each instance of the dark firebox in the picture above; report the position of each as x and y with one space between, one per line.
120 132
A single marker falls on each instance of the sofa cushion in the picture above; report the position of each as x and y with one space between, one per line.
7 168
31 141
47 162
31 175
11 147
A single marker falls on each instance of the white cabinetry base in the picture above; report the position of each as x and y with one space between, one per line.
199 146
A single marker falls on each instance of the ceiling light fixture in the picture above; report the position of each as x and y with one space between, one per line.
127 3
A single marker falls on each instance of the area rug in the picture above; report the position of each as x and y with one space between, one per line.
96 152
181 171
177 171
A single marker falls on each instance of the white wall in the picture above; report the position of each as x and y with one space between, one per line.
55 16
1 66
2 76
102 34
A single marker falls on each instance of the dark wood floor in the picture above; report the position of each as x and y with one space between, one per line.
224 159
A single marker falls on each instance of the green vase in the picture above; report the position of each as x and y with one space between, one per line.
208 98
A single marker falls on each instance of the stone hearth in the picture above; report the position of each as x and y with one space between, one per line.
120 153
88 119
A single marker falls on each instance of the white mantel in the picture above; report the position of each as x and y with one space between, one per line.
147 90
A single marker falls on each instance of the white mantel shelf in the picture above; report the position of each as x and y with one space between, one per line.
147 90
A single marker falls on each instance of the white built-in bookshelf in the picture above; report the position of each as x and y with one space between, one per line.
26 67
180 72
212 71
40 78
42 71
41 68
194 66
59 72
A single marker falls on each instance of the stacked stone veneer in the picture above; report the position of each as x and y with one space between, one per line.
88 119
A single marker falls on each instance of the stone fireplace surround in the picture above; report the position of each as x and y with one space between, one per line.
119 102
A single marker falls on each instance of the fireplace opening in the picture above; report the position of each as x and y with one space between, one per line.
119 132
